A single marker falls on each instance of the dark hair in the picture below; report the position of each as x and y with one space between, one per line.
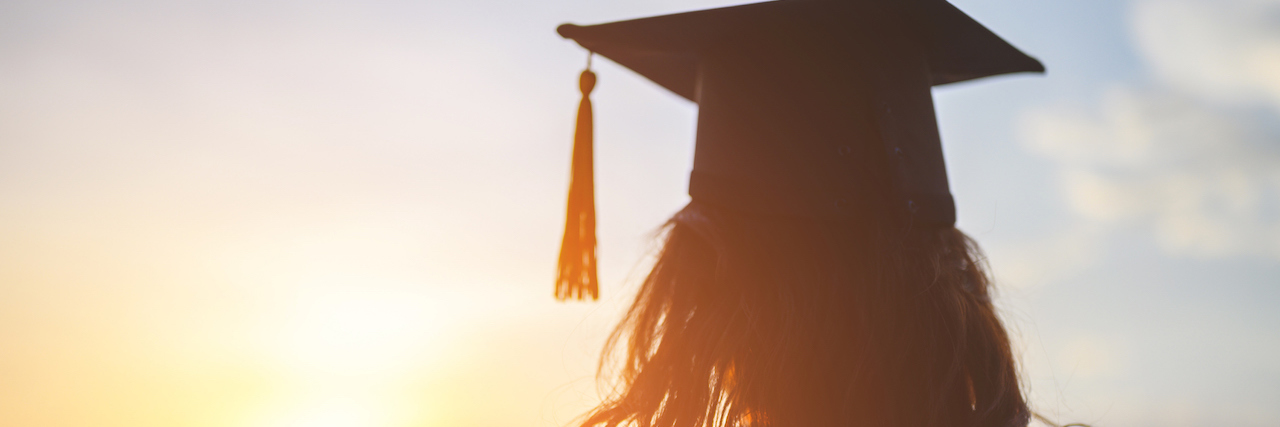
792 323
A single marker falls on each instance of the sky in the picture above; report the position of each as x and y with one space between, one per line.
346 213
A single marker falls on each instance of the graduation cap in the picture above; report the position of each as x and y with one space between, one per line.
811 109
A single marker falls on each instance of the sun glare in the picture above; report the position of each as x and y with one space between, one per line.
350 330
351 350
330 412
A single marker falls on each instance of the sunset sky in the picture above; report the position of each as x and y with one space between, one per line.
346 213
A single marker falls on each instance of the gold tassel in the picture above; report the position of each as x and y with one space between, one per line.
576 275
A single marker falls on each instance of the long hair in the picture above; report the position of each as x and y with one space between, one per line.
752 322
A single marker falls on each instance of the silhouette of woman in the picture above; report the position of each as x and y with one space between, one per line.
816 278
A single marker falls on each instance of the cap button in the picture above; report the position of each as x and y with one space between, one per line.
897 151
844 150
911 206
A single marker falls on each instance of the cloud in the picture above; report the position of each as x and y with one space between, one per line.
1194 159
1031 262
1223 50
1091 356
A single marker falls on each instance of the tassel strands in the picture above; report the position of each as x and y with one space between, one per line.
576 274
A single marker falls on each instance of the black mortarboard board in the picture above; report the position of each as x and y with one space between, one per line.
802 105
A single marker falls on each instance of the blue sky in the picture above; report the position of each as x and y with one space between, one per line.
346 213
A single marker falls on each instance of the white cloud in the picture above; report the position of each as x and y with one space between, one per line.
1090 356
1195 160
1224 50
1027 263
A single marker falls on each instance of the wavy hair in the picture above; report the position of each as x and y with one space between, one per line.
752 322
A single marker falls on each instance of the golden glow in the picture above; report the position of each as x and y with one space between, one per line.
335 325
280 215
354 331
332 412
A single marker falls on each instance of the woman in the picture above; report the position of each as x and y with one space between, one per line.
816 279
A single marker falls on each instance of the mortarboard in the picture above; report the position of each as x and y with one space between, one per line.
813 109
